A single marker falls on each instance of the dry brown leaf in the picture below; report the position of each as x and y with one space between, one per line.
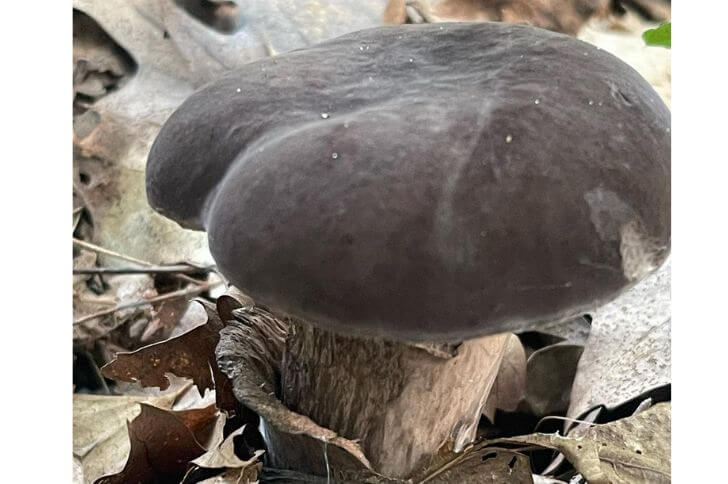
509 388
633 450
163 442
100 442
190 355
166 317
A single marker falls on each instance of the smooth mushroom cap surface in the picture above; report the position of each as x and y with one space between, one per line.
425 182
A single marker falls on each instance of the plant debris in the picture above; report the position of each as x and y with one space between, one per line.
635 449
628 353
190 355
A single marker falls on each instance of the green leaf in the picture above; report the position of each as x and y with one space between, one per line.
660 36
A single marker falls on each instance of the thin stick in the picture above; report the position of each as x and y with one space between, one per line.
78 209
135 304
141 270
101 250
111 253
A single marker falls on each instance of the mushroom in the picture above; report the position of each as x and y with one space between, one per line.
405 193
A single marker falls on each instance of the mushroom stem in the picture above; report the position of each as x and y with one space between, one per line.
401 402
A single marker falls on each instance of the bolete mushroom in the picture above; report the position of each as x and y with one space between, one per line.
403 192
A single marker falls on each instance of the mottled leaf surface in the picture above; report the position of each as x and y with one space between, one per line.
628 351
635 449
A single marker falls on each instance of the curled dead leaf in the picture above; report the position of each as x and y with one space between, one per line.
190 355
509 388
550 375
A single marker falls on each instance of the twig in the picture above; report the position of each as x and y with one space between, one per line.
193 291
142 270
111 253
101 250
78 209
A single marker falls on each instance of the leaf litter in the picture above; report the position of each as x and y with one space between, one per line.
119 64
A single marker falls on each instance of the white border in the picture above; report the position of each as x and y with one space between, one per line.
35 256
700 280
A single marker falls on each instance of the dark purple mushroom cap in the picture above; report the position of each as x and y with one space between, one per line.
425 182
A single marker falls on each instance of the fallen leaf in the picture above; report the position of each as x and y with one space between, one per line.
98 63
188 355
509 388
222 456
627 354
194 316
166 317
550 374
635 449
163 442
484 466
100 442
